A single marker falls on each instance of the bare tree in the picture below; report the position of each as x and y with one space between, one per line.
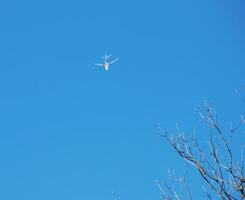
221 170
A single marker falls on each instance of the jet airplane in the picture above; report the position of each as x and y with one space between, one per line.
107 63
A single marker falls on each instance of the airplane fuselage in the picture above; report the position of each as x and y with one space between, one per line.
106 65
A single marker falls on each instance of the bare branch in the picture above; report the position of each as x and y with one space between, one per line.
220 173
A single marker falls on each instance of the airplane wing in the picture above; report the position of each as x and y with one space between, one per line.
101 65
114 61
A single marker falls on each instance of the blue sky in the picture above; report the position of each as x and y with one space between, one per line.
70 130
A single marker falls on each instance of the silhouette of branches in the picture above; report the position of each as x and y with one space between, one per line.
222 174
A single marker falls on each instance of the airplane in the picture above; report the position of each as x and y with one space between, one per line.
107 63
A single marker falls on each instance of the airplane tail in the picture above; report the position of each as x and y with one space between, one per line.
106 56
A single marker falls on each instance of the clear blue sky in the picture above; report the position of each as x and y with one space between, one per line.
70 130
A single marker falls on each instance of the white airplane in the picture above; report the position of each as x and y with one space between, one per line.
107 63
